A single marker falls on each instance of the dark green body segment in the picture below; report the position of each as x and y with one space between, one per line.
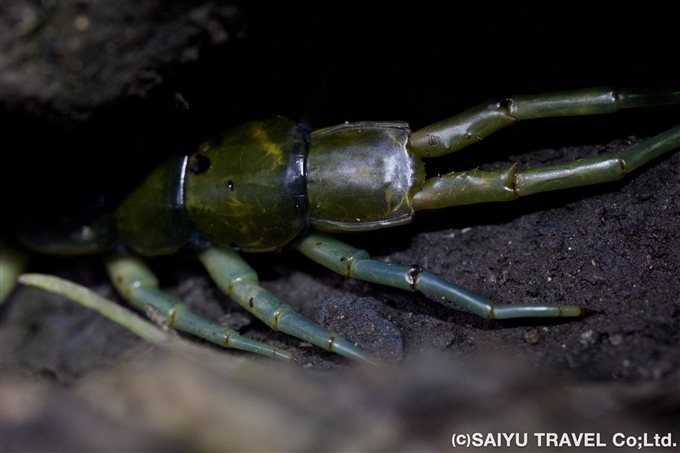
153 220
362 176
247 189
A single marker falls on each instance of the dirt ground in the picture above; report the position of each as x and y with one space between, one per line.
72 380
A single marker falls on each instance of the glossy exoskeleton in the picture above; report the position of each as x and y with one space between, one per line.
268 184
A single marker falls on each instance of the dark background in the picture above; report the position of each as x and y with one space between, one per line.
103 111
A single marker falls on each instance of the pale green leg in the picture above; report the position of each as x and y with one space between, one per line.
477 186
352 262
138 285
483 120
12 263
239 281
109 309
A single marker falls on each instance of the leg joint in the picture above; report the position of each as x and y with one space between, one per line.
412 275
352 259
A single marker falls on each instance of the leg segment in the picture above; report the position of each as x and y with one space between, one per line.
139 286
239 281
481 121
352 262
477 186
12 263
109 309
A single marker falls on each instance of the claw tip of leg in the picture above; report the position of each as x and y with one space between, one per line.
573 311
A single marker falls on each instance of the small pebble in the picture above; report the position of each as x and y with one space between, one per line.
531 336
616 339
589 337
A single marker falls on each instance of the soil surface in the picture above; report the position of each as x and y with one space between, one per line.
72 380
